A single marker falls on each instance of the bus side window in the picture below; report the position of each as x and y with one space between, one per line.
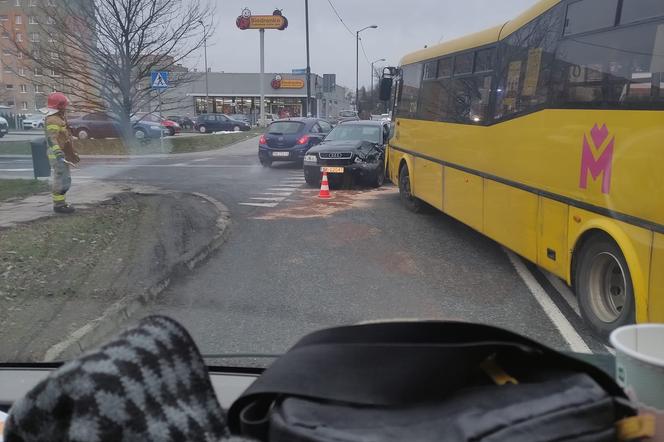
526 61
612 69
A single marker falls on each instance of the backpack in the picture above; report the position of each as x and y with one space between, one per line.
431 381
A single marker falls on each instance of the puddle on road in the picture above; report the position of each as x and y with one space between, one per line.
310 206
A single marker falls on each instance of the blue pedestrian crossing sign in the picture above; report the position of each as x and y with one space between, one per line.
160 80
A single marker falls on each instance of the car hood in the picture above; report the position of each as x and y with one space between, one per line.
354 146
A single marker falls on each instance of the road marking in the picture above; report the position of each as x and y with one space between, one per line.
261 198
281 189
293 186
567 331
201 159
277 193
16 170
564 291
260 204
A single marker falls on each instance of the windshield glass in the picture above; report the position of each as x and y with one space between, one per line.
285 127
355 132
513 181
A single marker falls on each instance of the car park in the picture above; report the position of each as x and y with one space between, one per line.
290 139
207 123
102 125
354 149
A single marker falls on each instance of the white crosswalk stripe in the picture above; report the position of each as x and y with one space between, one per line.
275 195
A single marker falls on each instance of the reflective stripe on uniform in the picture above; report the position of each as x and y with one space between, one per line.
56 127
51 156
58 198
56 148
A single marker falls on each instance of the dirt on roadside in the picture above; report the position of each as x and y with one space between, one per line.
59 273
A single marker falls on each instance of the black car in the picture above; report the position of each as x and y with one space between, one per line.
290 139
353 148
207 123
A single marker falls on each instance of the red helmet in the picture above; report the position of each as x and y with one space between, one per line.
57 100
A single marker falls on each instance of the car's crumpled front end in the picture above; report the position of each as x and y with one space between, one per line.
360 159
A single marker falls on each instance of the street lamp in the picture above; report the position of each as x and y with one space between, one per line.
374 73
357 65
207 91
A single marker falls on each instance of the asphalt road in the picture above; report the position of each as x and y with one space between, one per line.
294 263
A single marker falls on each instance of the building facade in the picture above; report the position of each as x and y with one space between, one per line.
239 93
24 87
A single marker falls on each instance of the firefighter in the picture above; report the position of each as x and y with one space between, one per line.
61 152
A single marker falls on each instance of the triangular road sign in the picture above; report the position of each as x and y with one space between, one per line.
159 80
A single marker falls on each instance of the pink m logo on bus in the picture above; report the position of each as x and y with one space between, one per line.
602 164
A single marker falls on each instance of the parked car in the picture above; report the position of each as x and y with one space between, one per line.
353 148
347 115
207 123
33 122
241 117
172 126
290 139
184 122
4 127
101 125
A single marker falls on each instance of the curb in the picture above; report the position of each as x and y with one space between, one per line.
115 316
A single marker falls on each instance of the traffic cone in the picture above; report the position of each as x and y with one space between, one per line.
324 187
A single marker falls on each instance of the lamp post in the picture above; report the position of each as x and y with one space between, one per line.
307 111
207 91
373 73
357 65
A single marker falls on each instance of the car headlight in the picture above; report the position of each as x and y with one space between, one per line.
310 158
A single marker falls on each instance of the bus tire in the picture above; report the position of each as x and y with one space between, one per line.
411 202
604 286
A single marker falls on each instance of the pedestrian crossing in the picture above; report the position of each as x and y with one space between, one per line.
275 195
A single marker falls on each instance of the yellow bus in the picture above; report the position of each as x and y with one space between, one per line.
547 135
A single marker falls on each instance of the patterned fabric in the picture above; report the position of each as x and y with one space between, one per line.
149 384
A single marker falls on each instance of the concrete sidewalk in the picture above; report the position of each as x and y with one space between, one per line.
82 195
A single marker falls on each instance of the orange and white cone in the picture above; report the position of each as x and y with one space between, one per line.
324 187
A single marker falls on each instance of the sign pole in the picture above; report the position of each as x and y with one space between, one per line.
262 77
161 131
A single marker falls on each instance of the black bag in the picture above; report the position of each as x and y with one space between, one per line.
426 381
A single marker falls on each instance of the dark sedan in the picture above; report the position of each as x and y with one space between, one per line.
290 139
207 123
353 148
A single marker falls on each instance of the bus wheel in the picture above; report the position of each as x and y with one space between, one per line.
604 286
411 202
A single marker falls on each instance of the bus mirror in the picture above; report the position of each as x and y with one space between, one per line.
385 88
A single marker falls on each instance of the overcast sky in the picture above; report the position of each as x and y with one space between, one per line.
403 26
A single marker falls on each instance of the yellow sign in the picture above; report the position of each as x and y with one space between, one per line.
292 84
266 22
532 72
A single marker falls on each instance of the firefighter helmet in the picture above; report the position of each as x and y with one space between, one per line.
57 101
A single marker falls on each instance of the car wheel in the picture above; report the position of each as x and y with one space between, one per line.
312 179
265 162
83 134
604 286
236 128
405 192
202 129
140 134
378 178
171 132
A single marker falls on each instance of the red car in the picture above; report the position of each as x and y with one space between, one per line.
172 126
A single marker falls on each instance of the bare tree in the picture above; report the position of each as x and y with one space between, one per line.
102 52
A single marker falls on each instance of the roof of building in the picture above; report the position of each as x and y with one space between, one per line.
481 38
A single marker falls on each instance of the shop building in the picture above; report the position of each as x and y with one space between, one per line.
239 93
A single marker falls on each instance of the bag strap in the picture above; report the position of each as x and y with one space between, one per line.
389 364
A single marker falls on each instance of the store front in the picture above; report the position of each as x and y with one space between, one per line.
281 106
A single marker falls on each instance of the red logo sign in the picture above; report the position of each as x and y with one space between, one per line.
598 159
248 21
